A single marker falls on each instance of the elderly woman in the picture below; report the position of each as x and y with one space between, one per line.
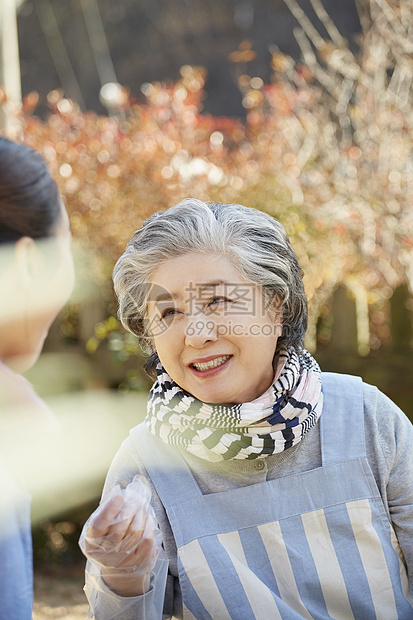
280 491
36 278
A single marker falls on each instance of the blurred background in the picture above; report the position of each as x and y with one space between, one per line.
301 109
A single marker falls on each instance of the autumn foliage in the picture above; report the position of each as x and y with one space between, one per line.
325 148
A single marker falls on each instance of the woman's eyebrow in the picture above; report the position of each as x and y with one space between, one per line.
201 286
165 297
210 284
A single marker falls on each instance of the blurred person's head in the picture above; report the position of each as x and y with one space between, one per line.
254 243
36 266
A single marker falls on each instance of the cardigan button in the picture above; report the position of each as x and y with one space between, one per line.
259 464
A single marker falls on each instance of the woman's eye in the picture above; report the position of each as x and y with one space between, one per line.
168 312
218 299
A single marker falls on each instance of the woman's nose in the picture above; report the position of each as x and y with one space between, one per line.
200 330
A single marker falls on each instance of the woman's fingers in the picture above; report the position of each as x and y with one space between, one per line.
140 543
101 520
137 529
113 537
147 541
121 532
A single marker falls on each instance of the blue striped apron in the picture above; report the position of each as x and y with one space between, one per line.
317 544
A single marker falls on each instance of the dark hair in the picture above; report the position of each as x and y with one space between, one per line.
29 198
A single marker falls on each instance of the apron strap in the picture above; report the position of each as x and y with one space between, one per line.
342 419
167 469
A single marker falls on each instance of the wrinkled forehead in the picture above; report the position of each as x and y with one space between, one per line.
158 293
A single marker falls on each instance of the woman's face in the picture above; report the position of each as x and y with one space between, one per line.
39 281
57 280
210 329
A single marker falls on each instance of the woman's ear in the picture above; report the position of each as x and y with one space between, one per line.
27 260
278 314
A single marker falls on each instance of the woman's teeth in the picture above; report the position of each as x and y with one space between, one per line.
218 361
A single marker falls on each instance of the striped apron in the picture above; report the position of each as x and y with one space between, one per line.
317 544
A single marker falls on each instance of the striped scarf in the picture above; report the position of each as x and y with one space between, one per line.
269 424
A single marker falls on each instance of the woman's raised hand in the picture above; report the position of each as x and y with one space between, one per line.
122 537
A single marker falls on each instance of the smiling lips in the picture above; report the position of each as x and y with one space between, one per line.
204 366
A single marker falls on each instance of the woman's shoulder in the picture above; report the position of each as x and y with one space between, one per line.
385 423
375 402
338 382
388 422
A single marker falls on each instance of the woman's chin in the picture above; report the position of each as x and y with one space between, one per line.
22 363
212 398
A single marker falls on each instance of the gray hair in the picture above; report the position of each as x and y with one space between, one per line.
255 243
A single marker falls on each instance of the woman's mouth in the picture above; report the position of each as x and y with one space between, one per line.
214 363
